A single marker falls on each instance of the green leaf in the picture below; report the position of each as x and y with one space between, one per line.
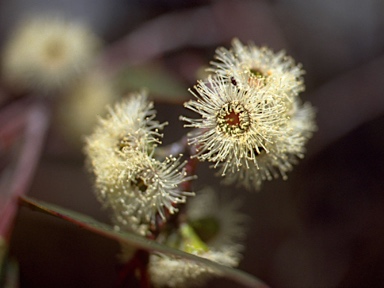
137 241
160 84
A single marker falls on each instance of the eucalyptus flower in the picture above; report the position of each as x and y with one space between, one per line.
282 155
235 124
253 125
250 65
249 134
152 188
48 53
128 179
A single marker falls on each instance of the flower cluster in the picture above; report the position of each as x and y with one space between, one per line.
129 180
253 125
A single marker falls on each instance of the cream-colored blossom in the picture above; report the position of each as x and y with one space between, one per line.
282 154
250 134
249 65
135 186
235 124
253 125
152 188
128 127
48 53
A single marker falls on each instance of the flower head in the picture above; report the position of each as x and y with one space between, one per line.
246 66
236 125
134 185
47 53
152 188
253 125
281 156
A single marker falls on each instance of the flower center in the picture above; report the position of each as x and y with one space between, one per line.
54 52
233 119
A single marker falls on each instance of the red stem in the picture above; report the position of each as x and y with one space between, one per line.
136 267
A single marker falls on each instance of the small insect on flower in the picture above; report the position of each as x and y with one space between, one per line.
48 53
249 65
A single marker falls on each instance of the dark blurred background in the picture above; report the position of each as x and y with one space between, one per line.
324 226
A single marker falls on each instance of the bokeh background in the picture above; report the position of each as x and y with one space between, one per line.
323 227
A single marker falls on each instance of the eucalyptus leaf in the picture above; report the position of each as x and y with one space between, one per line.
137 241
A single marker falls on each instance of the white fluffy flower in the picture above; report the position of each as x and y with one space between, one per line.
128 127
134 185
282 154
152 188
252 134
236 125
253 125
249 65
48 53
